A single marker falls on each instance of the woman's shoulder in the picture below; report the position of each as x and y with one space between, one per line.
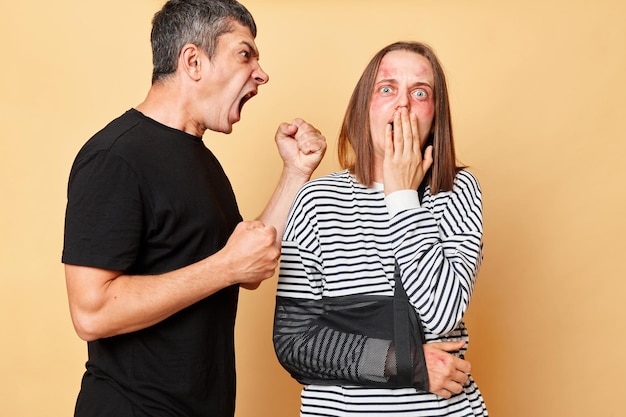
465 188
335 181
465 179
331 189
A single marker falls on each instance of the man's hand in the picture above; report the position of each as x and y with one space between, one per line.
252 253
446 373
301 146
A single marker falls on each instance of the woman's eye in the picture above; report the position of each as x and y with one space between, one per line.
385 90
420 94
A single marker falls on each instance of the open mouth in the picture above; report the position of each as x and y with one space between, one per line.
245 99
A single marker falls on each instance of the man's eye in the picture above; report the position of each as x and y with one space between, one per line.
245 54
385 90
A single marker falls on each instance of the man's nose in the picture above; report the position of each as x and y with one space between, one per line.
260 76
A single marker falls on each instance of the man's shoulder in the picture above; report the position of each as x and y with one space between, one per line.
108 136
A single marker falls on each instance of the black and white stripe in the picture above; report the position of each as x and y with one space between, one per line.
341 240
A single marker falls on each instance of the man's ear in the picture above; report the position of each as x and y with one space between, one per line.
190 61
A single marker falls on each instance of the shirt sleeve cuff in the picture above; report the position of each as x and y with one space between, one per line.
402 200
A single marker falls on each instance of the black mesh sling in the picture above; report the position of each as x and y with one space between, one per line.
362 340
347 340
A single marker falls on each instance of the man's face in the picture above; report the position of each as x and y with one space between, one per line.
231 78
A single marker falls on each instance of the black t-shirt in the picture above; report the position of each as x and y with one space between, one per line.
147 199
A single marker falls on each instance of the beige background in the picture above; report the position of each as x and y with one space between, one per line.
538 108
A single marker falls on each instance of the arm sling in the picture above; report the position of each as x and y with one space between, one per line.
348 340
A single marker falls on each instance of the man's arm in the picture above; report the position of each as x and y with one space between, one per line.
105 303
301 146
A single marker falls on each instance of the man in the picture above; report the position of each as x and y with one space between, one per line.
155 248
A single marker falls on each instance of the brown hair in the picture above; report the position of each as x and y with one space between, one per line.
355 139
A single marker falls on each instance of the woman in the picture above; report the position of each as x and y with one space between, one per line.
350 232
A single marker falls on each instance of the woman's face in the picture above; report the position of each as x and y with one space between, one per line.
404 79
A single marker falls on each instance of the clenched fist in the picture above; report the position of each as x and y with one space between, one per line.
301 146
252 253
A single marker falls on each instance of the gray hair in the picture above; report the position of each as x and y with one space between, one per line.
197 22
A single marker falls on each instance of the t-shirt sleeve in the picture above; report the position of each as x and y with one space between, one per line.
103 221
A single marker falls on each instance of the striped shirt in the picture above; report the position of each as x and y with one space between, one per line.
342 238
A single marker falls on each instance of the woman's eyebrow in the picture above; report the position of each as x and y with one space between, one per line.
386 81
